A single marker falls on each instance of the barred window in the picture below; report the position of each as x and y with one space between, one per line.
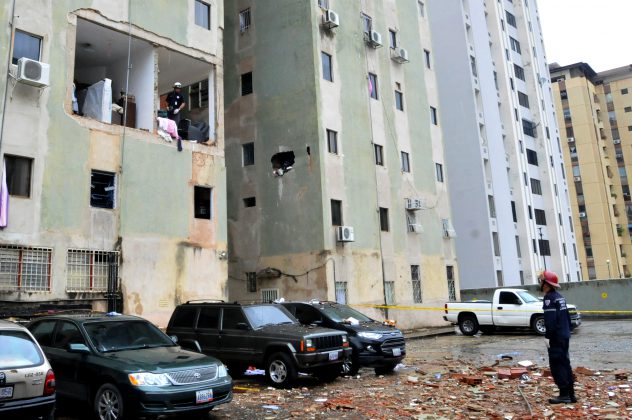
251 282
449 271
25 268
244 20
91 271
341 291
416 281
269 295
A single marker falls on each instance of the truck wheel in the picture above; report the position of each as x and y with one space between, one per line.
538 325
280 370
468 325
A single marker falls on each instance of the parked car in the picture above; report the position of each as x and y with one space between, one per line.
374 344
263 335
510 308
27 382
125 367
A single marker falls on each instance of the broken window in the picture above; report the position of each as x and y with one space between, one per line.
384 227
336 212
282 162
332 141
18 175
26 45
246 84
248 154
103 189
244 20
405 162
202 14
250 201
379 154
203 202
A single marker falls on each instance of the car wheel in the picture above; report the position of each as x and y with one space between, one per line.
108 403
384 370
280 370
538 325
328 374
350 366
468 325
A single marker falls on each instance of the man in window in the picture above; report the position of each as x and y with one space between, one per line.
175 102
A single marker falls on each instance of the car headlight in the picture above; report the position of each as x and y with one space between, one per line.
309 342
221 371
344 338
370 335
148 379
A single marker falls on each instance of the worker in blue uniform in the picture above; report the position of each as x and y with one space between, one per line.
558 333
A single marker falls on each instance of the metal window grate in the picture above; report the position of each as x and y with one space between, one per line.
451 290
251 282
91 271
389 292
416 282
244 20
341 291
269 295
25 268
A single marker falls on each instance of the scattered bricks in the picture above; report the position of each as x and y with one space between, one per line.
472 380
517 372
584 371
504 373
620 375
546 373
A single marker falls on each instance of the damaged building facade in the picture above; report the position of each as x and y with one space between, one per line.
103 210
336 179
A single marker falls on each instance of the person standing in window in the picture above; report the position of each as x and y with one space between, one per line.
175 102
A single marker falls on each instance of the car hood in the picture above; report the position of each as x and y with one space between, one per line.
160 359
372 327
297 330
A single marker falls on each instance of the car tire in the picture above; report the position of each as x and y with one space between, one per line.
468 324
328 374
280 370
108 403
350 366
538 325
385 370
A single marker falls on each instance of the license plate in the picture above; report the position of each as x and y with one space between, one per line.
6 392
333 355
205 396
397 352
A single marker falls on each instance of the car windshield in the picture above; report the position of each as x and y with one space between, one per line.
528 297
267 315
18 350
338 313
125 335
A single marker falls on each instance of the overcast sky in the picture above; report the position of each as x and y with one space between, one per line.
596 32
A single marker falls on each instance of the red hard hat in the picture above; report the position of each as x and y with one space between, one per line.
549 277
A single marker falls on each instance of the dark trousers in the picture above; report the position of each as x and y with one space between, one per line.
560 363
174 117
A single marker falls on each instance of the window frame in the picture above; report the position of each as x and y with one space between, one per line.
245 20
384 221
336 212
29 180
196 205
536 186
207 8
378 152
374 85
399 100
247 87
14 59
114 187
434 116
248 151
439 172
405 160
330 66
332 141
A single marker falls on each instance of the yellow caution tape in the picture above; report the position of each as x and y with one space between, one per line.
429 308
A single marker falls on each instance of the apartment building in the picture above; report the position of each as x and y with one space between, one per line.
103 212
336 180
594 111
504 159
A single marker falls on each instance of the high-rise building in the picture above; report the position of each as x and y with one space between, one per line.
336 179
508 190
594 113
103 212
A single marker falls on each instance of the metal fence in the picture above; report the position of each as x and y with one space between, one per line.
24 268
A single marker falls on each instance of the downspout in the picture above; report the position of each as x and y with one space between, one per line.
6 83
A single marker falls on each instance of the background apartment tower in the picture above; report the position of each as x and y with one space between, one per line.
507 187
103 212
595 113
332 122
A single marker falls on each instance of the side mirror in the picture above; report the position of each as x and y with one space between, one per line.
78 348
242 326
174 338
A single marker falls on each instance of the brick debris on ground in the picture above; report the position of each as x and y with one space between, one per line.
438 389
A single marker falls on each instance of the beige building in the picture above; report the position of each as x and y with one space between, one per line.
594 112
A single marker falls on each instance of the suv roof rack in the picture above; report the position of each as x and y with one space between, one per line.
252 302
205 300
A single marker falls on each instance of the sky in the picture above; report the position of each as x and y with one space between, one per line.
596 32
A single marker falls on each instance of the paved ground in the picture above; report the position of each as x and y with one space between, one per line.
431 385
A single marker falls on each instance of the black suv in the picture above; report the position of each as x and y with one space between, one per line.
374 344
263 335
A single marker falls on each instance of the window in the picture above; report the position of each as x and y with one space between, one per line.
341 291
336 212
511 19
509 298
529 128
269 295
103 189
327 69
324 4
405 162
433 116
202 14
43 332
513 212
25 268
248 154
515 45
392 37
518 247
422 8
399 100
519 72
427 58
416 282
203 205
251 282
544 247
250 201
367 23
244 20
532 157
373 85
624 91
232 317
389 292
26 45
449 271
332 141
536 187
67 333
18 175
628 109
492 206
629 127
523 100
209 318
384 227
439 172
184 317
246 84
496 244
91 271
473 65
499 278
540 217
379 154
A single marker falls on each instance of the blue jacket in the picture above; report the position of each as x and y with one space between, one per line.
556 317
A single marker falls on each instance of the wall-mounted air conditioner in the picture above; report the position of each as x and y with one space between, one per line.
33 72
400 55
571 139
345 234
414 204
577 178
582 214
616 141
416 228
331 19
375 39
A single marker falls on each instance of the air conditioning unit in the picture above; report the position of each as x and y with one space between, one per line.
582 214
616 141
331 19
400 55
450 233
577 178
345 234
33 72
375 39
414 204
416 228
571 139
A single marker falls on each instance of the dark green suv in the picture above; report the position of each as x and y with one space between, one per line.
263 335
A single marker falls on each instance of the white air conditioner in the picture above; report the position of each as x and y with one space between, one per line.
33 72
331 19
375 39
582 214
400 55
414 204
450 233
577 178
416 228
571 139
345 234
616 141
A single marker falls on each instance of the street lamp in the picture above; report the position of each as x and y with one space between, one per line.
608 264
540 246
